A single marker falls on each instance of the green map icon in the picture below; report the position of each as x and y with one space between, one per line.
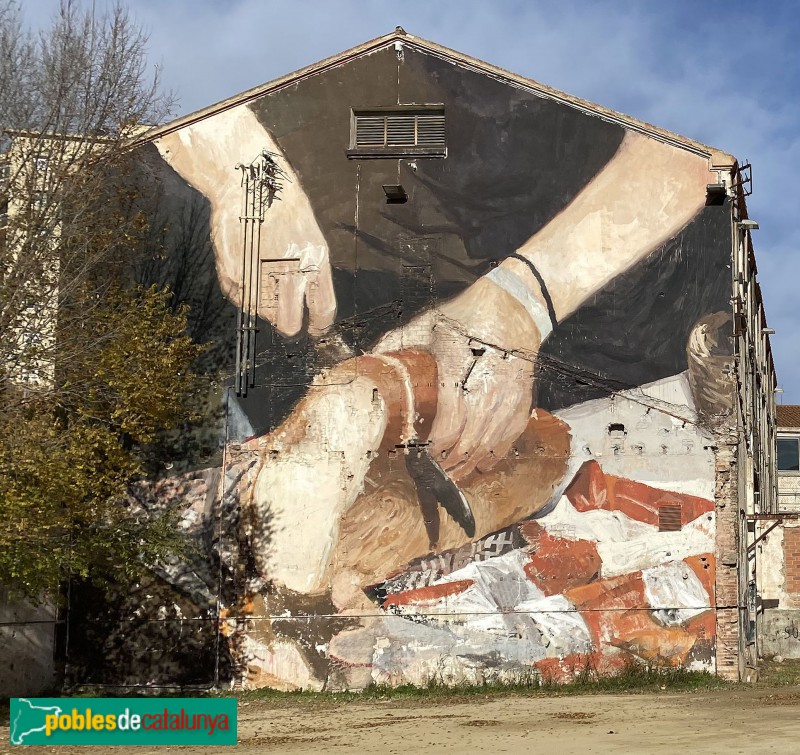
28 718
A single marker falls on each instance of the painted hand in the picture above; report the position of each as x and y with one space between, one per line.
484 344
293 269
300 281
459 379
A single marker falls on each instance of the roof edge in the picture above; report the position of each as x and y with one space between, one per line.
270 86
718 159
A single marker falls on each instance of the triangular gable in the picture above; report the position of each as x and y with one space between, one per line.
719 160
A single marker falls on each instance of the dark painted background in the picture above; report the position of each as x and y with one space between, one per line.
514 161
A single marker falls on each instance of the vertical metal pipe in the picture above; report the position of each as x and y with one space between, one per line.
257 276
254 190
240 312
261 183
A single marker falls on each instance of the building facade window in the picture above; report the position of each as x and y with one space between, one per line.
398 131
789 454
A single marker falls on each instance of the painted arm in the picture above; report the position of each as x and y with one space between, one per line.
483 343
643 197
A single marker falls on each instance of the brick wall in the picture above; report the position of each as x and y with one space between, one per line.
727 574
791 553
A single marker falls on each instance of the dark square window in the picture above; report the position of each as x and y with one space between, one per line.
789 454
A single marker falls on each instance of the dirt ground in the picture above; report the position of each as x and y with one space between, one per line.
732 720
720 722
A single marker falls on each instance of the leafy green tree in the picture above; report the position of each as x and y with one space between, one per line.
68 458
98 373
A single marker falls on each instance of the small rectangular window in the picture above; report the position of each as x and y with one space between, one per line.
273 272
669 517
400 131
789 454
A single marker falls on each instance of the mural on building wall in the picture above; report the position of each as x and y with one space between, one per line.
477 440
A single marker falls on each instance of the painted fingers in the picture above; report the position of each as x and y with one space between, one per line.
282 268
299 283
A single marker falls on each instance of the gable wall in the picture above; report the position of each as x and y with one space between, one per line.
428 476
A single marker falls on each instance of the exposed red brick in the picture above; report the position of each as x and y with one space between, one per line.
593 489
791 553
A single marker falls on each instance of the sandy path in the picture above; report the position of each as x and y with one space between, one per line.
726 721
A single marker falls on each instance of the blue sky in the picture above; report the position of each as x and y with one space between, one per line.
724 73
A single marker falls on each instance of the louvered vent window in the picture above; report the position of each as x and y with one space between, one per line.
398 132
669 517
